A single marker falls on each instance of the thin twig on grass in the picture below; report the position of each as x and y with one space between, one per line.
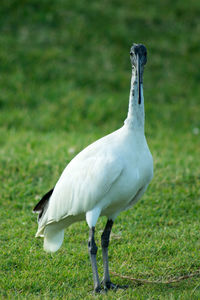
177 279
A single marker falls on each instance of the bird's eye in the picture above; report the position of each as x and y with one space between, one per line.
131 53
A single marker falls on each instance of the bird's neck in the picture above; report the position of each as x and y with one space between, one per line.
135 117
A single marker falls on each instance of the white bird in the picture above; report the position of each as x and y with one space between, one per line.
104 179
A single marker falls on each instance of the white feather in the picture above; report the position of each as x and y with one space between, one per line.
104 174
107 177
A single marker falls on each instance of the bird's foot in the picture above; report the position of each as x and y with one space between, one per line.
111 286
99 290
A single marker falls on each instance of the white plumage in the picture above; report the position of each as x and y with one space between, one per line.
102 176
107 177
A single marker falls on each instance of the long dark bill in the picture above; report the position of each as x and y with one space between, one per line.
139 80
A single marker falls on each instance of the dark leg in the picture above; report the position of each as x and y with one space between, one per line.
104 243
92 248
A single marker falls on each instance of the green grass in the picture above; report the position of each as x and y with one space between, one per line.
64 80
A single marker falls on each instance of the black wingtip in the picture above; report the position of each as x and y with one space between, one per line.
40 205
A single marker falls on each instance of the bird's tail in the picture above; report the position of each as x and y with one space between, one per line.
53 238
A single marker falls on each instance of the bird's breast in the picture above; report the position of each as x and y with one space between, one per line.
137 173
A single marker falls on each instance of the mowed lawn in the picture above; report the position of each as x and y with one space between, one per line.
64 82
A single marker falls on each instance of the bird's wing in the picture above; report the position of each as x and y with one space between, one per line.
82 186
39 208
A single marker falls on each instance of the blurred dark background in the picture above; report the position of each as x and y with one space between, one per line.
63 62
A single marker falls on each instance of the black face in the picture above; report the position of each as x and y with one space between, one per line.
138 55
138 50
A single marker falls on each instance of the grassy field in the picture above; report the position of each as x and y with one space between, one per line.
64 82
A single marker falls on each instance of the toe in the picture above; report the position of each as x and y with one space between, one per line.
112 286
97 290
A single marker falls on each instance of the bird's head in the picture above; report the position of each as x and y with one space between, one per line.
138 55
